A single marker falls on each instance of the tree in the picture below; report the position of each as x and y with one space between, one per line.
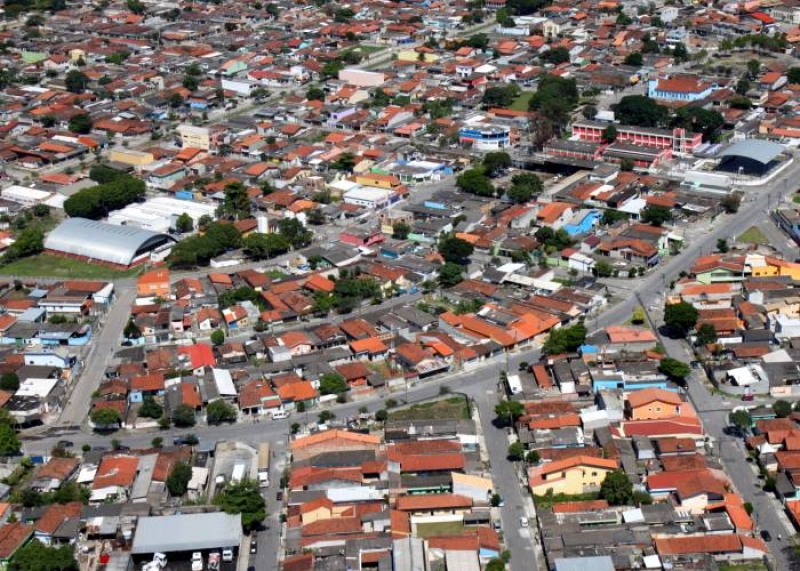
131 330
76 81
265 246
294 231
135 6
555 56
611 216
105 418
9 442
516 452
243 498
642 111
634 59
589 112
638 316
29 242
680 317
753 68
782 408
325 416
495 564
381 415
9 382
731 203
219 411
35 556
743 86
722 245
741 419
793 75
451 274
626 165
565 340
656 215
183 416
175 100
679 53
474 181
190 82
184 223
555 98
157 442
400 230
332 384
494 163
524 186
103 174
616 489
150 408
217 337
674 369
500 96
96 202
80 123
706 334
603 269
533 457
178 479
508 411
609 134
455 250
316 217
705 121
315 94
236 204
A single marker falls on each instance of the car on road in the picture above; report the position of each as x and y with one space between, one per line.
65 444
279 496
253 545
523 521
185 439
766 535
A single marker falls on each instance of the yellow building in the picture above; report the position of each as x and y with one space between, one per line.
576 475
386 181
413 55
130 157
192 136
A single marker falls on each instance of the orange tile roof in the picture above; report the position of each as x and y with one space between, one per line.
55 515
432 502
12 537
622 334
370 345
332 435
301 391
116 471
712 544
646 396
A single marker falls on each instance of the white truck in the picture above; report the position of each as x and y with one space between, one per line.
263 465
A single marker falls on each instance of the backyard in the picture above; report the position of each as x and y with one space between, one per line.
425 530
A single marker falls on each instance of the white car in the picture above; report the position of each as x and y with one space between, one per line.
523 521
197 561
227 554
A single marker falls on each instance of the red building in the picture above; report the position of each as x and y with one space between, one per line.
678 141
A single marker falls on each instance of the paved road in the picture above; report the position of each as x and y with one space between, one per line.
94 366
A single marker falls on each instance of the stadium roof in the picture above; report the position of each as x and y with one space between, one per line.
187 532
101 241
763 152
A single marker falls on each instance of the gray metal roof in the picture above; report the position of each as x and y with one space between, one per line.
595 563
101 241
762 151
188 532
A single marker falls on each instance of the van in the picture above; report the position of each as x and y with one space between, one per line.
280 414
227 554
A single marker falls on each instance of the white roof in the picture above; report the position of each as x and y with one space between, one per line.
634 206
224 381
358 494
187 532
24 192
745 376
36 387
367 193
199 478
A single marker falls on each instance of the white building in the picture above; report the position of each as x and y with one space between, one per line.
24 195
159 214
368 197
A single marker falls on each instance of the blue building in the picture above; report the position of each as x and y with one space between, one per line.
679 88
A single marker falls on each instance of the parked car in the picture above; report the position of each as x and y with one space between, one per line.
65 444
253 545
766 535
279 496
523 521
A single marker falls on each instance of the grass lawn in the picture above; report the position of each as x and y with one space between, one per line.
366 50
755 566
444 528
46 265
796 199
752 236
521 102
449 408
548 500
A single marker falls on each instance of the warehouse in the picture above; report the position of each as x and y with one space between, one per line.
159 214
178 536
101 243
751 157
24 195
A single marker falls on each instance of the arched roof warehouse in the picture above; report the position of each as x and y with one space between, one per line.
103 242
752 156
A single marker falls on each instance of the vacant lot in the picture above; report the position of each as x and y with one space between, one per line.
521 102
425 530
752 236
450 408
45 265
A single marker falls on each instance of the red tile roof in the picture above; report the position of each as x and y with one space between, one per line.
432 502
12 537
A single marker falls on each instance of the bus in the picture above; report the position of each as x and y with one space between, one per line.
263 464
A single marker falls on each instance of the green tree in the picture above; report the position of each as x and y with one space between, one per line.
642 111
616 489
741 418
674 369
105 418
793 75
96 202
76 81
656 215
782 408
705 121
603 269
219 411
524 186
516 452
190 82
565 339
722 246
80 123
217 337
680 317
508 412
400 230
455 250
474 181
555 98
132 330
634 59
103 174
451 274
265 246
679 53
294 231
315 94
332 68
626 165
609 134
611 216
150 408
9 382
184 223
183 416
495 162
35 556
176 100
135 6
332 384
743 86
555 56
500 96
29 242
495 564
638 316
731 203
9 442
178 479
533 457
706 334
243 498
157 442
236 204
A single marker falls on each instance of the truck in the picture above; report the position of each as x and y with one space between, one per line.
213 561
239 471
263 465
